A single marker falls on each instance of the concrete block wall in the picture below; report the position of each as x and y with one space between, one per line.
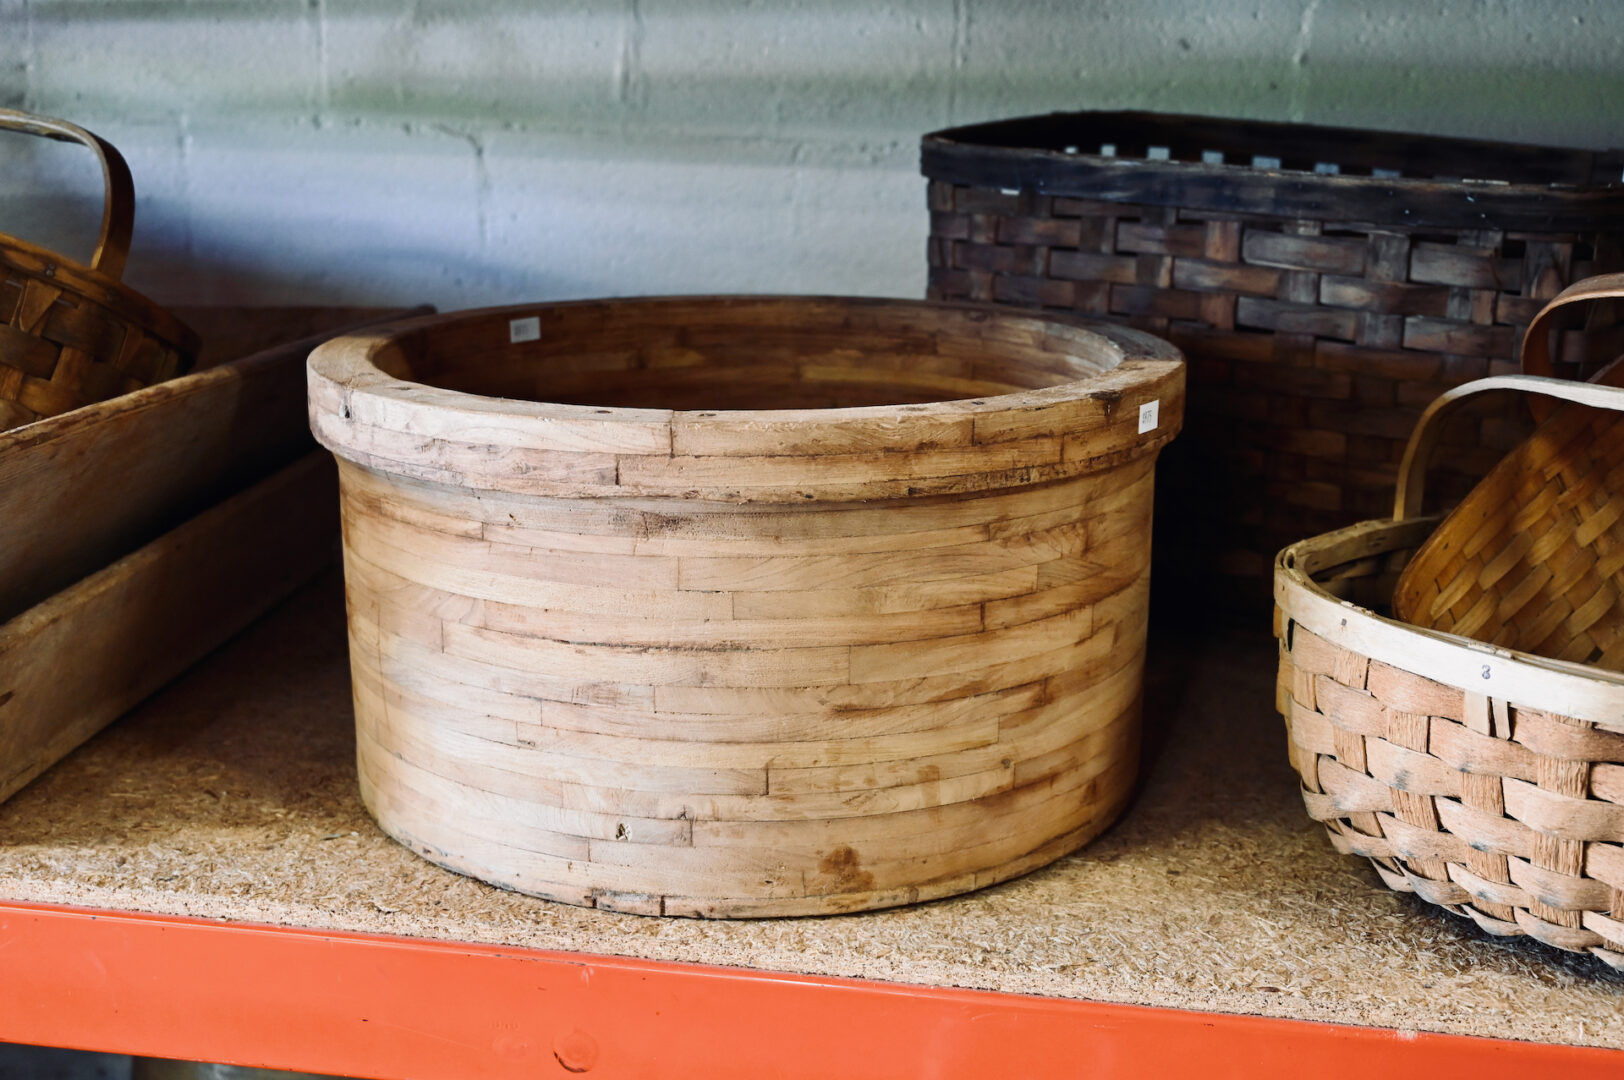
489 151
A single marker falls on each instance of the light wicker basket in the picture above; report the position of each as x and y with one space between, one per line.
70 334
1532 558
1478 774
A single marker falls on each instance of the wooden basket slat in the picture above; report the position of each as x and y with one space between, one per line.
1486 775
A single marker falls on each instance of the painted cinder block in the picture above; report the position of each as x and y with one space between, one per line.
482 152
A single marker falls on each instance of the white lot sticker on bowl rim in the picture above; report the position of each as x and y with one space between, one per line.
1149 415
524 329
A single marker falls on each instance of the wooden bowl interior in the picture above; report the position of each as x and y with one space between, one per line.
762 355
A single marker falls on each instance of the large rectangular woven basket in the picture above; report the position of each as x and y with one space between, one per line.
1484 772
1325 284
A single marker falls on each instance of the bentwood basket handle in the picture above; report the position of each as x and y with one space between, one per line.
118 207
1536 350
1412 471
1536 363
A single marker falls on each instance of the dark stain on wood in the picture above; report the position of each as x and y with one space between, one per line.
846 868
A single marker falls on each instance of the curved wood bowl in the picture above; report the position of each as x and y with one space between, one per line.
746 606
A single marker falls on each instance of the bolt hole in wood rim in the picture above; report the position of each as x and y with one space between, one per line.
746 606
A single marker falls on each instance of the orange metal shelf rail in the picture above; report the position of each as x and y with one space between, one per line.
406 1008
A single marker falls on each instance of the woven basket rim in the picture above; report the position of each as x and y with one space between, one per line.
347 375
110 293
1576 690
1030 153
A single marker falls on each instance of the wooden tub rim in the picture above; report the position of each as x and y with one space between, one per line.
377 419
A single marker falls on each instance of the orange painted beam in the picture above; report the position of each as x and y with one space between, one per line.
406 1008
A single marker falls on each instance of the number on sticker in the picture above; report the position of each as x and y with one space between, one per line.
1148 416
524 329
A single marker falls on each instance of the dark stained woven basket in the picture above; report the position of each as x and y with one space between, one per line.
1326 284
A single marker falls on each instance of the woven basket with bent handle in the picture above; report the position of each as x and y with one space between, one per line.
1533 558
1477 774
70 334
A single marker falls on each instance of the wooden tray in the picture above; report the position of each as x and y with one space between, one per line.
71 665
120 565
80 490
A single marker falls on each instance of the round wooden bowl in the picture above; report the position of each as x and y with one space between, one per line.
746 606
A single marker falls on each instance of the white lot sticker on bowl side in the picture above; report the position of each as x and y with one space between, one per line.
524 329
1149 415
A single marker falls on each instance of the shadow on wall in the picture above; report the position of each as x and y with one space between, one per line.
234 271
178 279
50 194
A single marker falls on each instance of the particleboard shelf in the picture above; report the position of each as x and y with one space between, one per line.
232 796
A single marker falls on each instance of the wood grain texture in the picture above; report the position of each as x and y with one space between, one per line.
232 332
100 528
232 796
73 664
1533 558
736 660
1479 774
1352 174
80 490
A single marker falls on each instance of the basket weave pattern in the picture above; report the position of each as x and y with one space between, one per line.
1507 814
1325 283
1485 775
60 349
1533 559
1313 345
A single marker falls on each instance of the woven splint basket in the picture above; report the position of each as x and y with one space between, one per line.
1487 776
1532 559
71 335
1325 283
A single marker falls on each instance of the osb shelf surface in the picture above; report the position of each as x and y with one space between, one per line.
232 795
